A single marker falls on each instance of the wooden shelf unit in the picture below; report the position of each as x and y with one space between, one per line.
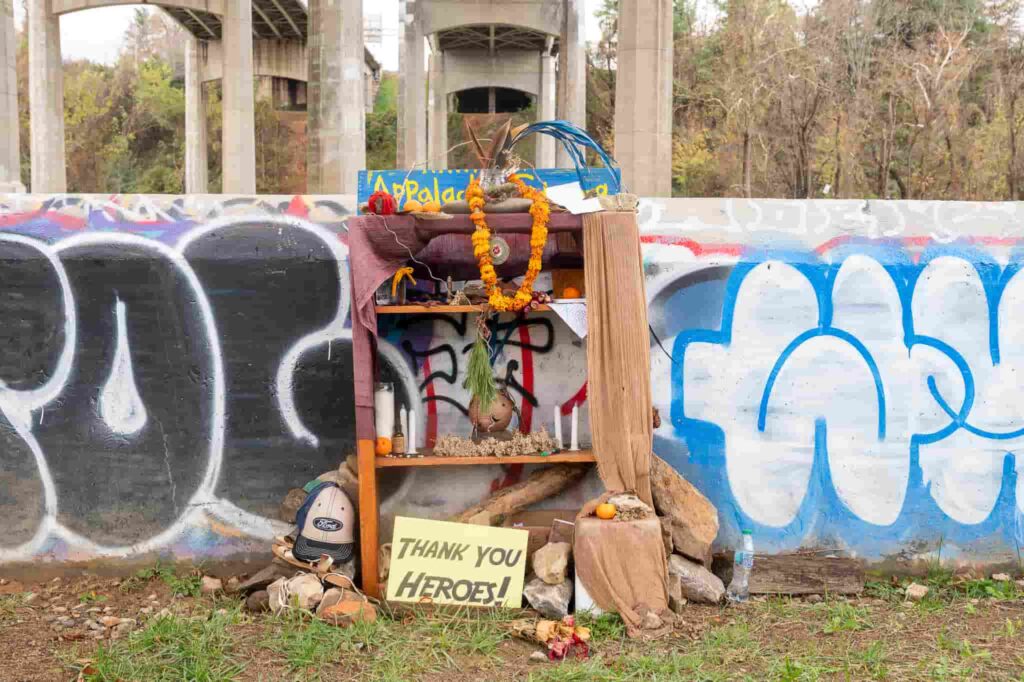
416 309
427 460
369 463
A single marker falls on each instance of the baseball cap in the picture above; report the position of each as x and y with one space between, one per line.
326 525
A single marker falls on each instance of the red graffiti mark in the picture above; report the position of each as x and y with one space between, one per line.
297 207
697 248
578 399
527 358
431 406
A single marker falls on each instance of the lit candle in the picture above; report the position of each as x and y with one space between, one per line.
558 426
575 444
410 445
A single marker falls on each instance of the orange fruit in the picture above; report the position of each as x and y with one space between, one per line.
412 205
571 292
382 446
606 511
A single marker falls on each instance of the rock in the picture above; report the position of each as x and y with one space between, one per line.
290 504
651 621
107 609
629 507
813 599
696 583
122 629
1001 577
1019 584
274 570
916 592
345 613
538 657
93 625
676 601
232 585
384 562
666 535
257 602
551 601
110 621
336 595
164 613
94 609
694 519
304 591
210 585
146 610
29 598
59 609
66 621
551 562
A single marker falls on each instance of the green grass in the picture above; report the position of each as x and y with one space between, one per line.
170 649
186 585
843 617
604 627
91 598
9 605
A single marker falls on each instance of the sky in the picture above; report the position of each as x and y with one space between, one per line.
96 34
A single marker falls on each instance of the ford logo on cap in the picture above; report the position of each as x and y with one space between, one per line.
326 524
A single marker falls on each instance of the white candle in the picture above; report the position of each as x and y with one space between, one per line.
403 423
410 441
384 410
558 426
575 445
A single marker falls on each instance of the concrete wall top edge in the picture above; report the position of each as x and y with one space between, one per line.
59 7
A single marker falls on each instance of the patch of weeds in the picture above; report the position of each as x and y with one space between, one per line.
170 649
604 627
188 585
797 670
988 589
873 659
1011 629
844 617
91 597
778 607
727 644
591 670
9 605
968 652
144 575
970 609
887 590
661 667
306 643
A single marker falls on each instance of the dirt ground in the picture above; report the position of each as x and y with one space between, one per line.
72 629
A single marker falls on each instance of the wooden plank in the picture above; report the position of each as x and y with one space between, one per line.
424 309
368 516
427 460
803 573
540 485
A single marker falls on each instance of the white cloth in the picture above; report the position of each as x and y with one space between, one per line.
573 312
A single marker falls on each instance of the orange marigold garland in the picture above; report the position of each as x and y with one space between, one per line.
541 212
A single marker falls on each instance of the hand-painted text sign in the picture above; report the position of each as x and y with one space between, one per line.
456 563
450 185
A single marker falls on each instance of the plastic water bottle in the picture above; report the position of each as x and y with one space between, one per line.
742 565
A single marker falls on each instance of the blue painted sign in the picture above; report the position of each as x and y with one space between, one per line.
450 185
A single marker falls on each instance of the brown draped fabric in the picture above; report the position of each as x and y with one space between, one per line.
618 352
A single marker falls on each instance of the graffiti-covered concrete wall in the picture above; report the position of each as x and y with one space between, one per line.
837 374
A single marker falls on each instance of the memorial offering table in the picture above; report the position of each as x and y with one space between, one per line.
379 246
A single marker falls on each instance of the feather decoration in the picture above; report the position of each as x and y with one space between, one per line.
575 141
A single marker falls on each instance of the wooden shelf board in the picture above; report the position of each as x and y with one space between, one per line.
428 460
421 309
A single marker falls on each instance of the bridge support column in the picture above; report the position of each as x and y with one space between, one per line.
437 151
643 97
196 179
46 100
412 105
572 71
10 157
239 106
336 97
546 103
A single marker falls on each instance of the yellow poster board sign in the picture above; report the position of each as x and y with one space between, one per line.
456 563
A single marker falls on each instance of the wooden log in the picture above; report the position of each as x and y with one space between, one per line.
538 486
691 517
803 573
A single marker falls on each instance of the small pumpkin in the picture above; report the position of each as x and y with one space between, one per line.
382 203
571 292
382 446
606 511
432 207
412 206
